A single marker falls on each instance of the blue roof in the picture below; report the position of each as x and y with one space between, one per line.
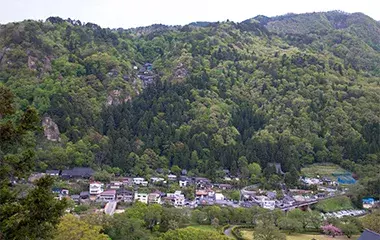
369 235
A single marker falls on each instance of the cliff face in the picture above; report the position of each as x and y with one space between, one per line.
51 130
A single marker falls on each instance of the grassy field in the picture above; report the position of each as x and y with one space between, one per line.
322 170
247 234
203 227
334 204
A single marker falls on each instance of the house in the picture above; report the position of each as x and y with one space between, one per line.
268 204
77 172
271 195
225 186
368 202
84 195
264 202
116 185
139 181
107 196
154 198
202 182
311 181
127 181
177 199
75 198
172 177
141 197
124 195
218 196
53 173
183 183
226 178
156 179
65 192
201 193
96 188
369 235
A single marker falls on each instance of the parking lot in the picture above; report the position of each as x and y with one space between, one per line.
343 213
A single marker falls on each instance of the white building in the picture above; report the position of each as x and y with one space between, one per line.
142 197
138 180
172 177
106 196
156 179
96 188
183 183
177 198
219 196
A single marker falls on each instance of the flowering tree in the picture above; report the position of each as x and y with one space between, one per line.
331 230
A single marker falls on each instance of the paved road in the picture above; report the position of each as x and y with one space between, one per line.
110 207
228 232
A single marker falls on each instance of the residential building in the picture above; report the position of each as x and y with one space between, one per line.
127 181
142 197
156 179
77 172
154 198
75 198
84 195
116 185
53 173
108 195
124 195
219 197
183 183
201 193
368 202
177 199
225 186
264 202
138 180
172 177
96 188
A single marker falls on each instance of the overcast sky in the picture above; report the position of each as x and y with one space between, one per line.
134 13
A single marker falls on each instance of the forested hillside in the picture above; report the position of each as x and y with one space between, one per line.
293 89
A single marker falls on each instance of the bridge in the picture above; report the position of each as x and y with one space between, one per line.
299 205
110 207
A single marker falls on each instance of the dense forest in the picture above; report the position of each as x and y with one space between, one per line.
293 89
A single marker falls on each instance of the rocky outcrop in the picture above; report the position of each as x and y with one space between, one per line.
47 65
32 63
115 97
51 130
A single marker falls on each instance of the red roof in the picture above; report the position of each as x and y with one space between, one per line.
109 192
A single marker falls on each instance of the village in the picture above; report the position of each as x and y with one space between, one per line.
182 191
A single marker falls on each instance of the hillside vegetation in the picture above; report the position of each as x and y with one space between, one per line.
294 89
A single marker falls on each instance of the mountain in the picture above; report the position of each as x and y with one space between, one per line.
293 89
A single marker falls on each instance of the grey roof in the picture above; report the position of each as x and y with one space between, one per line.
52 171
369 235
75 196
83 194
78 172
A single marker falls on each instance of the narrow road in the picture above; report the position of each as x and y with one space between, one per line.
228 232
110 207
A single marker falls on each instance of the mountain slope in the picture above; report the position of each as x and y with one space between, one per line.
294 89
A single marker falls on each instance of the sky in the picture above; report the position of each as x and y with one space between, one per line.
135 13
